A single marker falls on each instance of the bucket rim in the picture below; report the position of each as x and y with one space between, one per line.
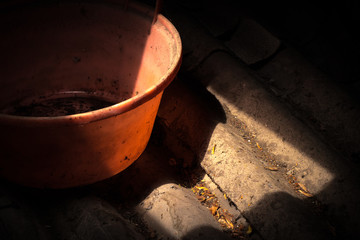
121 107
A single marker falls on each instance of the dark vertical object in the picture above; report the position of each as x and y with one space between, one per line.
157 10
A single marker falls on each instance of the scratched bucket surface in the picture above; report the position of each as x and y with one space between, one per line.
81 84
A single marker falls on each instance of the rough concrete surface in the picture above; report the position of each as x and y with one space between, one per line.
179 215
309 90
252 43
257 113
194 51
282 134
270 204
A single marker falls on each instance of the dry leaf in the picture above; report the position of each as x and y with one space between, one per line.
172 162
213 149
222 221
210 198
201 198
305 193
258 146
213 210
202 188
272 168
332 229
225 196
217 215
229 223
302 186
249 230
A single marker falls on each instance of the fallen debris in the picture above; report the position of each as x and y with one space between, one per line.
227 221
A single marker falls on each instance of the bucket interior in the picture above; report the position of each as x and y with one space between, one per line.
66 58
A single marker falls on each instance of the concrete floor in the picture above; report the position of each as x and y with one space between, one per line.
265 110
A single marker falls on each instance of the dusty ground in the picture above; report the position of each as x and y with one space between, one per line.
257 138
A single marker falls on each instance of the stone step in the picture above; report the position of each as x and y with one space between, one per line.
174 213
263 197
313 96
231 158
294 146
316 99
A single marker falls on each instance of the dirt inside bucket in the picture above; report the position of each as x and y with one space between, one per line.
59 105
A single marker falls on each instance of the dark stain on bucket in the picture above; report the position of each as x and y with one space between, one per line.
59 105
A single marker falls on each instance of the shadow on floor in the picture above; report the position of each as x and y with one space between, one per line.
168 158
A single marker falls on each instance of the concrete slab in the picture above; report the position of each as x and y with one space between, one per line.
296 148
91 218
252 43
234 164
197 42
229 206
272 123
174 213
219 19
13 218
319 102
269 203
188 114
52 215
224 201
